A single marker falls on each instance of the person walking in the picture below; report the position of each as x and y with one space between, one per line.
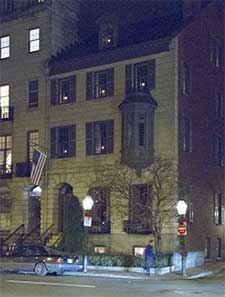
149 257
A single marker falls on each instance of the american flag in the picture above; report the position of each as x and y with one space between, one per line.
38 163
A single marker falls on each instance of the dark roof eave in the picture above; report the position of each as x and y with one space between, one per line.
110 56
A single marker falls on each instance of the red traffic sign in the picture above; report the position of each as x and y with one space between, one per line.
182 229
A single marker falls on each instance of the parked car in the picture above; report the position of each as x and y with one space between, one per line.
40 259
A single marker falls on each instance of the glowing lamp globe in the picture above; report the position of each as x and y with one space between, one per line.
88 202
181 207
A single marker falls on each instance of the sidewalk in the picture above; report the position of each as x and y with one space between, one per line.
208 269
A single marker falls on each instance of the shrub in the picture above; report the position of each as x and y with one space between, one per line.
126 260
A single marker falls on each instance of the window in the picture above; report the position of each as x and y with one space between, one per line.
207 247
33 93
4 102
219 248
100 84
219 105
63 142
5 47
138 250
5 155
140 77
216 55
219 150
139 204
100 210
63 90
141 130
186 83
100 249
187 144
107 37
99 137
34 40
32 138
218 208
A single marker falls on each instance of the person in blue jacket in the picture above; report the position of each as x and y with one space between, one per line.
149 257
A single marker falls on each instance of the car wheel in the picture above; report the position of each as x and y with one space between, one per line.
40 269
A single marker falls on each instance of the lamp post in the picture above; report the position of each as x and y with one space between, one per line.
87 206
182 232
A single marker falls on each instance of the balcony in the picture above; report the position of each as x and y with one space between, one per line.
5 171
23 169
6 113
100 228
133 227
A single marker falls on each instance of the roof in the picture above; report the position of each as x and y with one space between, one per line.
152 29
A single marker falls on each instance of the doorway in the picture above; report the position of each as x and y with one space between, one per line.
34 210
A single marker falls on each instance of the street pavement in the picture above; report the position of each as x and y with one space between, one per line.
209 269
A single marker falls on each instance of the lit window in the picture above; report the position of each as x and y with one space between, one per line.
5 155
5 47
100 84
99 137
63 143
140 76
34 40
138 250
4 102
107 37
100 249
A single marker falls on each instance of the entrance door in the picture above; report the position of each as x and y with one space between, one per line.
34 210
65 194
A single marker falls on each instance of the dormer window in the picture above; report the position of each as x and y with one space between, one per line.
107 36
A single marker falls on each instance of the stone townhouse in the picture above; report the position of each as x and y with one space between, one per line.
125 91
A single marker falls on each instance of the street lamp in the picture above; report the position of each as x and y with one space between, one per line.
87 206
182 231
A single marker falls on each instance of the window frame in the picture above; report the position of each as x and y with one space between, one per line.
31 144
32 92
6 151
7 109
2 48
69 143
93 90
107 140
100 212
30 41
134 199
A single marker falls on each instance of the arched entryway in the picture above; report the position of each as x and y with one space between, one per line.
34 209
65 195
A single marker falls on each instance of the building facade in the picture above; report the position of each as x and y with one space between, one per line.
127 92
